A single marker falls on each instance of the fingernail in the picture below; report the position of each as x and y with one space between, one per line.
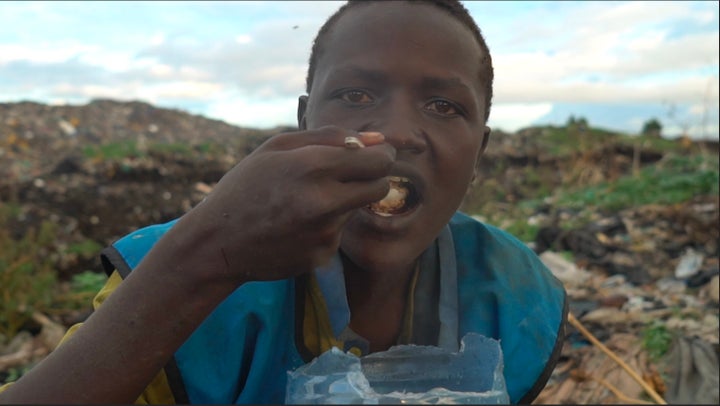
371 137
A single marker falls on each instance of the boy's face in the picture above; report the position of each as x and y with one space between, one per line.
411 72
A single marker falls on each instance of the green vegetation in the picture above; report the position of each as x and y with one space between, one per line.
84 248
652 127
27 277
13 374
572 139
522 230
87 282
509 194
675 180
119 150
113 150
29 280
656 340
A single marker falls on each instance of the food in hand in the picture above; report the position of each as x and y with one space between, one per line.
353 143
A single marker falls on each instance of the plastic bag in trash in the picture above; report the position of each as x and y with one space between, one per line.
404 374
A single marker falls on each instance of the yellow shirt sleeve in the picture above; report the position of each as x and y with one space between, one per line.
158 391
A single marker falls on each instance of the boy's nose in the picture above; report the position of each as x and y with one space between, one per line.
402 127
406 139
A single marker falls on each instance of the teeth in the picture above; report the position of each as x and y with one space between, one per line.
394 201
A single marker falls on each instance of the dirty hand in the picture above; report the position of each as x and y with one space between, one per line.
281 210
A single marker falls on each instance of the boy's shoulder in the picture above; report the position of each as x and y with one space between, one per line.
468 230
125 253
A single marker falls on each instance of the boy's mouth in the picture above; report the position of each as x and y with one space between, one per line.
401 198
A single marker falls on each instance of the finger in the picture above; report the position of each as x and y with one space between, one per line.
328 135
371 163
341 164
364 139
370 138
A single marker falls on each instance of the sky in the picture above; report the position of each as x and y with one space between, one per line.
617 64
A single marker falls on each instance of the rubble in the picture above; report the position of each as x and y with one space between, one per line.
104 169
619 313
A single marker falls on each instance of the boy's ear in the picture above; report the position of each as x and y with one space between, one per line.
485 139
483 147
302 106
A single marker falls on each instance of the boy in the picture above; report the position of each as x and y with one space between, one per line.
296 250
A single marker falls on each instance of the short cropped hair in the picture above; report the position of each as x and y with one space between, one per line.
453 7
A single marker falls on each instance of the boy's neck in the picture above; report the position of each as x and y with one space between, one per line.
377 303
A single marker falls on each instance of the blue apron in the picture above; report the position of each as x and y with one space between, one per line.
242 351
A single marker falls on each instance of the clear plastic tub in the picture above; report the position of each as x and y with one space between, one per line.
404 374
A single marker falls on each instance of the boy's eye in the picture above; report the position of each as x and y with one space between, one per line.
356 96
443 107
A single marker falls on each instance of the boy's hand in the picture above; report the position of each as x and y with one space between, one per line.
280 211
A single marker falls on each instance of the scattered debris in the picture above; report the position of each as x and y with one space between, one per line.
643 281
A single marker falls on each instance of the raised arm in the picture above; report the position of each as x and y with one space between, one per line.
303 183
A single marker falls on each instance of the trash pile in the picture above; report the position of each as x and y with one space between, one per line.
643 281
103 169
676 317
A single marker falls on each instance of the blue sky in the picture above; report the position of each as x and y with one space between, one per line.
616 63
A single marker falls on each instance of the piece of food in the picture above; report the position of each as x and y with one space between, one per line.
353 143
396 200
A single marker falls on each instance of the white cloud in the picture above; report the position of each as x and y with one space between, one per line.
278 80
157 39
181 89
667 55
58 101
267 113
316 10
112 60
530 89
154 93
696 131
255 53
638 58
618 52
74 91
190 72
513 116
161 70
243 39
43 52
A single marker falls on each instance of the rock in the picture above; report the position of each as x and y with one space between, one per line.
689 264
566 271
711 290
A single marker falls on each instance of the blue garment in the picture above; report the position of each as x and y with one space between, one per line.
242 351
331 281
